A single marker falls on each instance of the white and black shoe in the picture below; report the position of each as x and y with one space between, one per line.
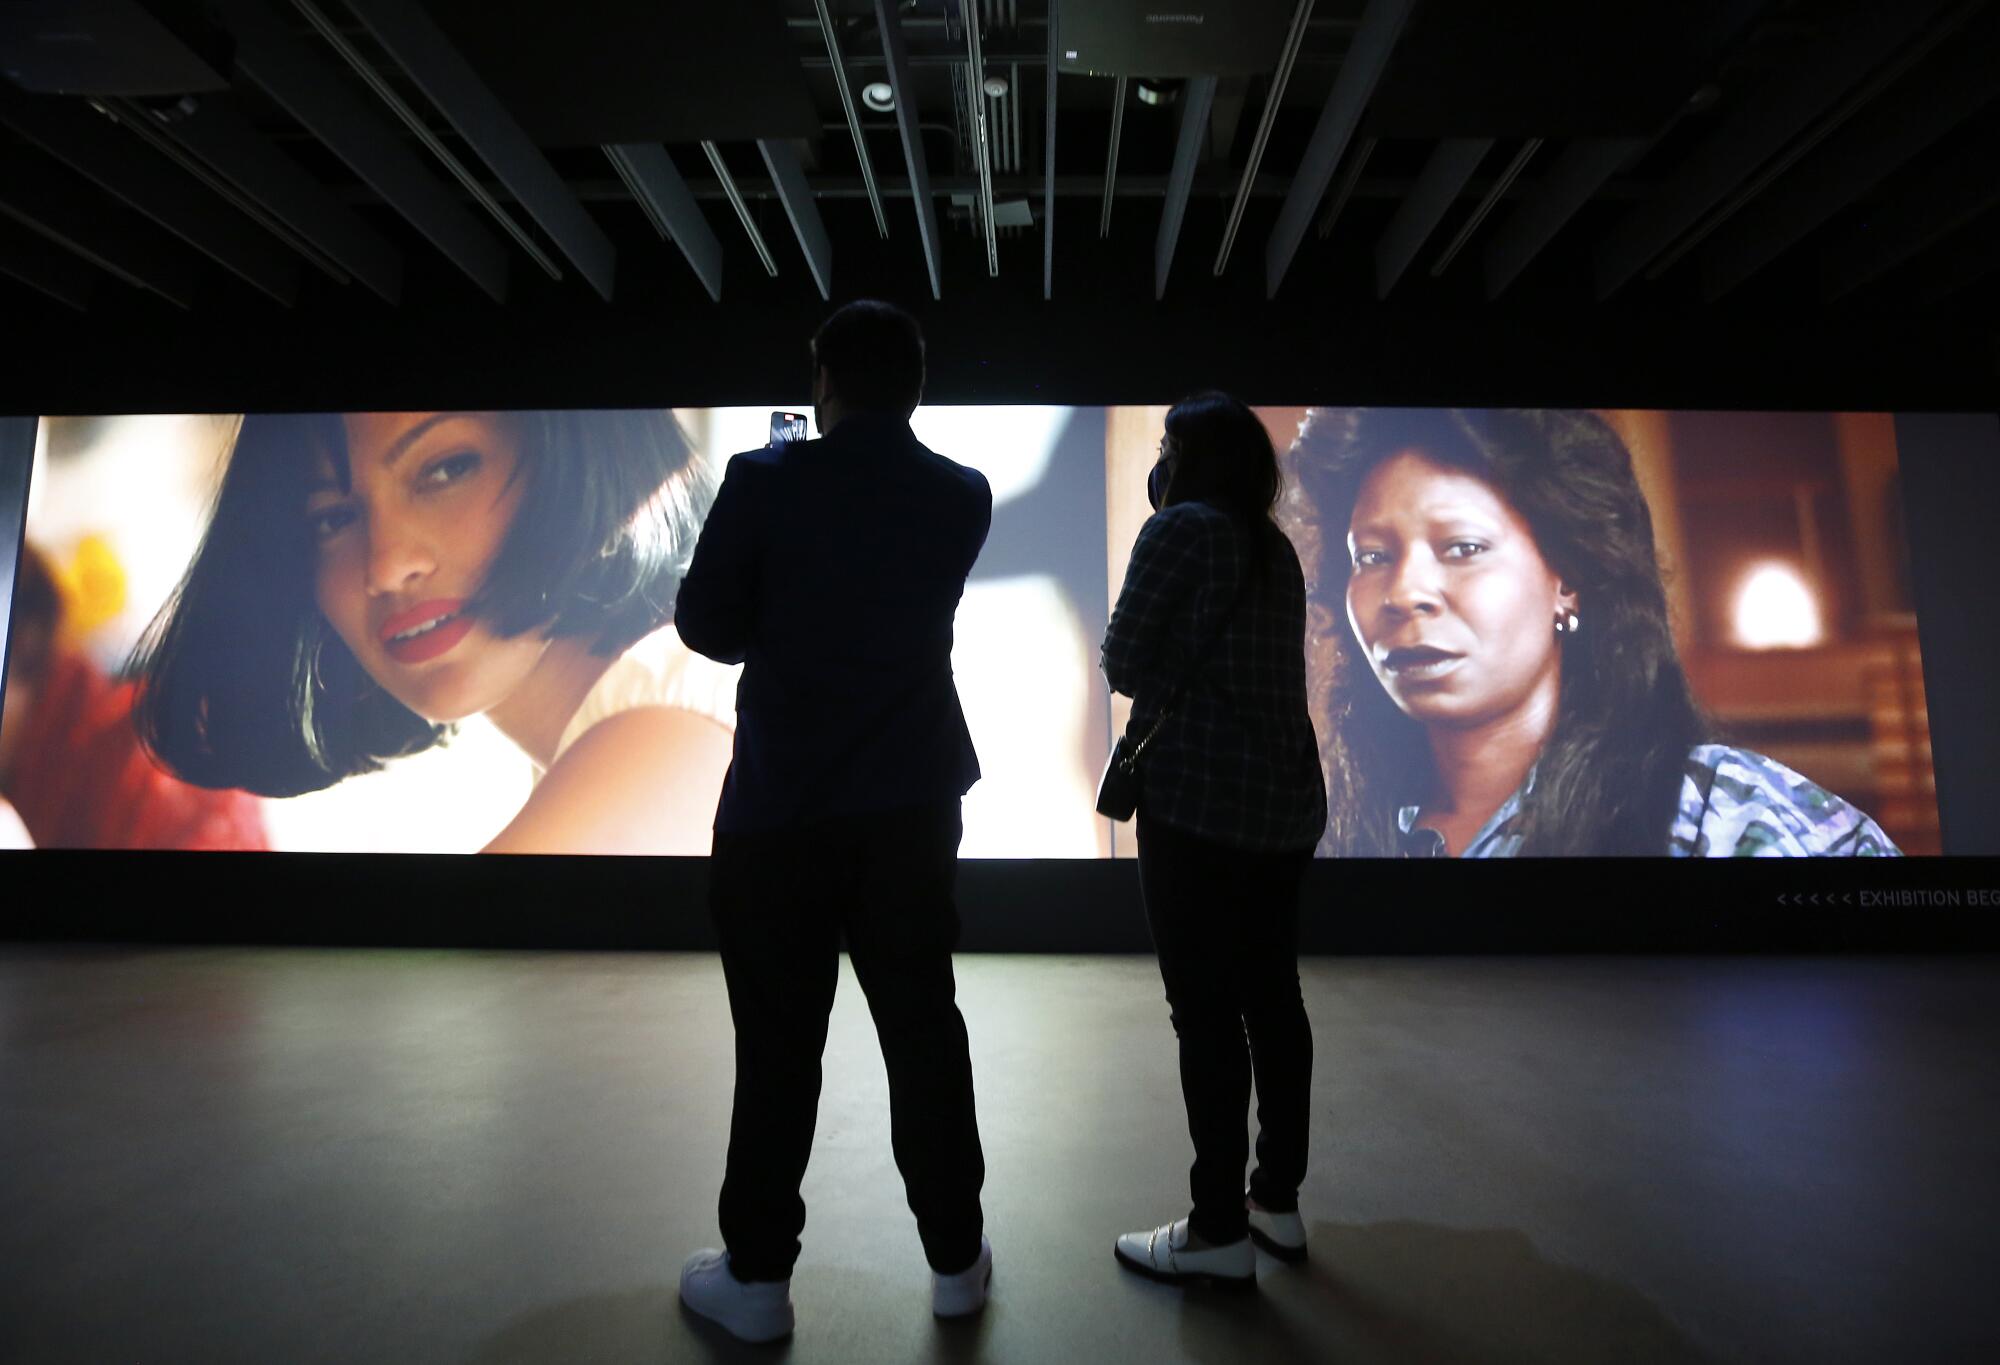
1281 1234
963 1294
759 1310
1164 1254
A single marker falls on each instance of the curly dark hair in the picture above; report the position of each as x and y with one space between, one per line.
1609 774
244 684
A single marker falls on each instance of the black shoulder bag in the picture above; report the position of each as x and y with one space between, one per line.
1118 789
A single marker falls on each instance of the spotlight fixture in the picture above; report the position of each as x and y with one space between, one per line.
1155 91
879 96
994 86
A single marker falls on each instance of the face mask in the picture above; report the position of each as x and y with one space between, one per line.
1156 484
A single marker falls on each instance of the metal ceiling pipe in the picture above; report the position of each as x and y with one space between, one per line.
896 52
1353 85
1770 116
1816 134
1111 157
413 121
87 141
43 198
240 155
482 120
1014 93
797 197
1199 100
311 92
1279 79
980 141
1049 163
31 259
853 118
735 197
1443 178
144 125
1350 176
656 184
1486 203
1578 174
1952 87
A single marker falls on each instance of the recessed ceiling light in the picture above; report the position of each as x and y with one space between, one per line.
879 96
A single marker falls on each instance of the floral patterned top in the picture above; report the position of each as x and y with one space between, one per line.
1734 804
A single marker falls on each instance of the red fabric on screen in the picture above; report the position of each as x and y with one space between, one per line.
83 780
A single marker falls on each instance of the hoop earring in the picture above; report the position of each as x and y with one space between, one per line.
317 672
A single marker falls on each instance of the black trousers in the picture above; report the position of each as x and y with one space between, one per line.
1225 922
781 902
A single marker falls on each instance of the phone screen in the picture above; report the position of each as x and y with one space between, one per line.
787 426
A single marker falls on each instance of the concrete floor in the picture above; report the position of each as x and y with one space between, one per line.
300 1156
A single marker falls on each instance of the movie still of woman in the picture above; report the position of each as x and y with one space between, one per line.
1520 648
452 631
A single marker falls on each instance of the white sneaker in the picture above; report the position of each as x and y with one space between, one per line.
963 1294
761 1311
1163 1254
1281 1234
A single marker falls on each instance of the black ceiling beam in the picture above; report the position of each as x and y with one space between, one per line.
1928 102
1918 212
656 183
52 201
35 261
1049 158
797 197
1443 179
1196 100
1770 114
890 23
311 90
477 113
221 138
1575 178
87 140
1353 85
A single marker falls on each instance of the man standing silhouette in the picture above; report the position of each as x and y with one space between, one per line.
831 570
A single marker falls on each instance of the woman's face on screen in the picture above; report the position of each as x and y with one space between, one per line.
402 550
1449 596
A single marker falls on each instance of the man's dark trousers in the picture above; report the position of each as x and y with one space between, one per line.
781 901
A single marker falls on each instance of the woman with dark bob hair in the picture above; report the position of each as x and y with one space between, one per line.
1208 639
366 580
1505 682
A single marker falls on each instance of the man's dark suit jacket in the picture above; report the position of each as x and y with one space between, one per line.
831 570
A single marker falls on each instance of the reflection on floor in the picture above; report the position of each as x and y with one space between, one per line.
296 1156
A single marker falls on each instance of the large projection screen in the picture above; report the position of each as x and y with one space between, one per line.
1779 537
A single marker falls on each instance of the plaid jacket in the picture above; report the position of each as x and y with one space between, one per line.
1236 760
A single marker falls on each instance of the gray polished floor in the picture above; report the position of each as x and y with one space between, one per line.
298 1156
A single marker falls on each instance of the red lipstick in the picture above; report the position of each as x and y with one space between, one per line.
424 631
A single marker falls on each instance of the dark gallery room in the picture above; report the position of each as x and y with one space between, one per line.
1284 680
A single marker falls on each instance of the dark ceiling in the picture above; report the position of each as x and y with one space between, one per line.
172 167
